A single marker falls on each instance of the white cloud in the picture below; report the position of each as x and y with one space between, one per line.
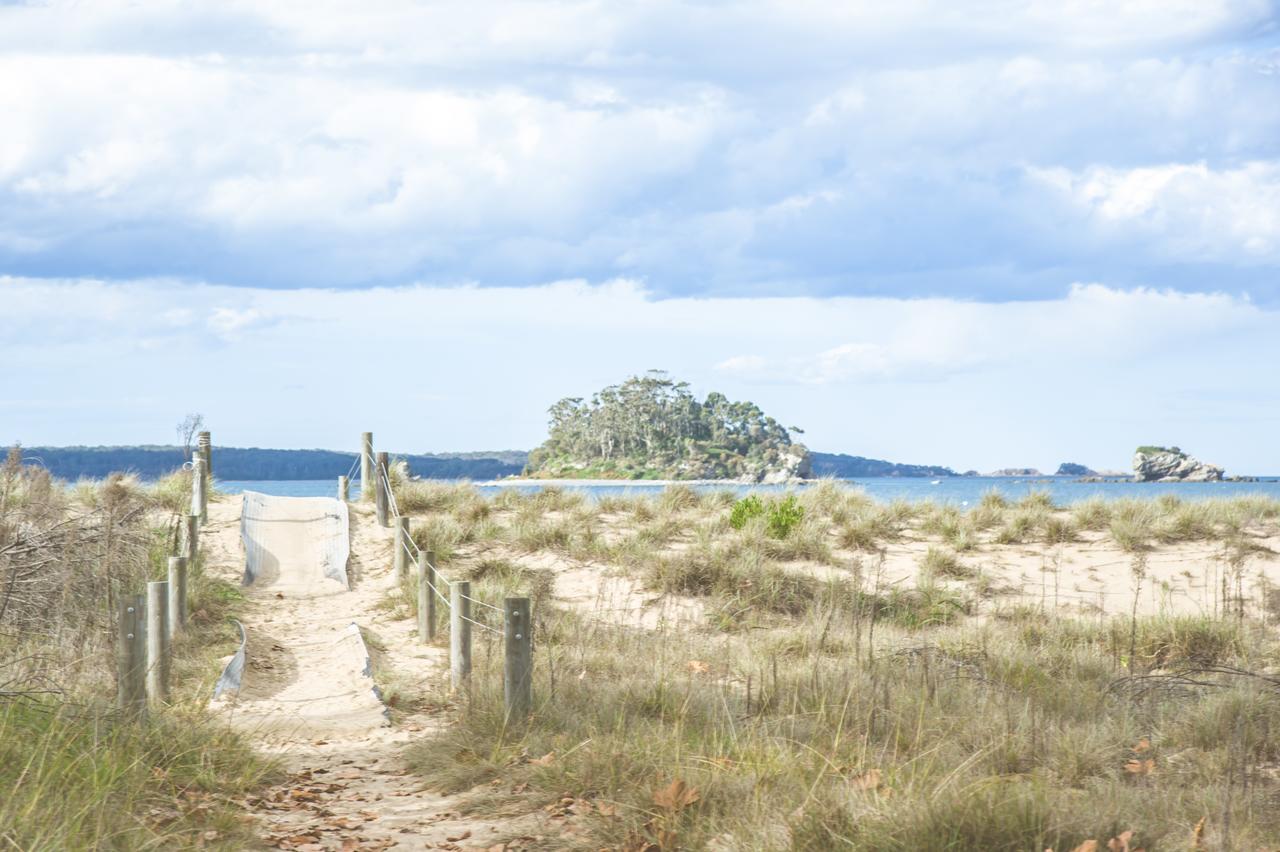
758 146
933 340
230 323
1193 211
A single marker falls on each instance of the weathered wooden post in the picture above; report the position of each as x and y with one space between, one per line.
204 444
177 595
382 486
193 539
401 561
344 489
199 493
157 642
459 633
366 465
131 657
426 597
517 670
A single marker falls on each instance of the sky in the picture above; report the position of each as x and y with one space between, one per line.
983 234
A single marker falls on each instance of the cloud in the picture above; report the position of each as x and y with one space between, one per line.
230 324
933 340
762 148
1189 210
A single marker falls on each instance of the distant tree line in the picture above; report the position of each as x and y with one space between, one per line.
236 463
842 466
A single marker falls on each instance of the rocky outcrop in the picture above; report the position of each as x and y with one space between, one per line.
790 464
1073 469
1016 471
1170 464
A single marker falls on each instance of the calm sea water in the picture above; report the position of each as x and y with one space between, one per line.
961 490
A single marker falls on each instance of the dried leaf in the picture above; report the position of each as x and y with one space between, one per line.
546 760
1197 833
676 796
1144 744
697 667
458 838
869 780
1120 843
1134 766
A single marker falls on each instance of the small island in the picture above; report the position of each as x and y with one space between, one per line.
652 427
1171 464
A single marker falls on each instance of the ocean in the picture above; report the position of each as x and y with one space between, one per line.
962 490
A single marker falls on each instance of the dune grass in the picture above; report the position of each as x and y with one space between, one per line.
1021 734
81 777
74 773
821 709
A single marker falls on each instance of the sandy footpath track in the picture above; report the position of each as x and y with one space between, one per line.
307 699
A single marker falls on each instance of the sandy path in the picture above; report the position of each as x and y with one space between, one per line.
307 697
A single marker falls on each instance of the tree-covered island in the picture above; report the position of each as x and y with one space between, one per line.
652 427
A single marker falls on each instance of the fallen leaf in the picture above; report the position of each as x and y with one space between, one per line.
869 780
1120 843
697 667
1144 744
1197 833
676 796
546 760
1134 766
458 838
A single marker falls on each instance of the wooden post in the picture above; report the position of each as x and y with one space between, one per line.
204 443
157 642
401 560
380 486
193 540
517 670
366 465
199 499
428 578
177 595
344 489
131 657
460 633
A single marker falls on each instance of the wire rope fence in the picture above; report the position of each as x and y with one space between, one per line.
437 594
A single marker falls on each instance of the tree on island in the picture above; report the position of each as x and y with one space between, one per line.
651 426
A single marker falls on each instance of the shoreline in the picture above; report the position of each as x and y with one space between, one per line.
594 483
737 483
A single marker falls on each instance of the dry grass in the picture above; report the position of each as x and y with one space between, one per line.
75 774
1015 735
820 709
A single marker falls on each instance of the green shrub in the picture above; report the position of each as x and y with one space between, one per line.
744 510
783 517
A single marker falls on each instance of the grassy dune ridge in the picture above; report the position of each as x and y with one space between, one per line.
823 696
76 774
